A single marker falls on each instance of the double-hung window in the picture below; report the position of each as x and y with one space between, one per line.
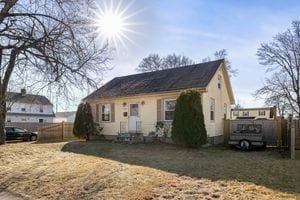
106 112
245 114
236 113
169 108
212 109
261 113
225 110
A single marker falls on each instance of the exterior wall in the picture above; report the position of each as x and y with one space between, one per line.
31 114
147 112
221 96
253 113
28 119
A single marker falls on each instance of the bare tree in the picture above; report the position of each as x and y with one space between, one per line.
222 54
50 42
154 62
273 95
237 106
151 63
173 60
282 57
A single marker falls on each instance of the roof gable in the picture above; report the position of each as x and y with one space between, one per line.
192 76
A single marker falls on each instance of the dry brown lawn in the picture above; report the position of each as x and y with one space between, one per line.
103 170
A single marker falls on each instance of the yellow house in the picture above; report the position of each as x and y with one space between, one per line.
254 113
135 103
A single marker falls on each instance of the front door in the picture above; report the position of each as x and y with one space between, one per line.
133 117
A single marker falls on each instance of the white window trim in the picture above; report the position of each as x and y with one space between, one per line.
101 119
41 108
167 110
139 111
225 110
214 110
236 113
263 112
246 115
219 84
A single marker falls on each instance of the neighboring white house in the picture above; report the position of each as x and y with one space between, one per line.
28 108
64 117
135 103
253 113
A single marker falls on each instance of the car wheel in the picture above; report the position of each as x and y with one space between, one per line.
33 138
244 145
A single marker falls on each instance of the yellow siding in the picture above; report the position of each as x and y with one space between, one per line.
221 96
148 111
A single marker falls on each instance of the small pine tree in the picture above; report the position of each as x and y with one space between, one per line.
188 126
84 123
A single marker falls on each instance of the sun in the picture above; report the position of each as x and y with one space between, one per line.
114 23
111 25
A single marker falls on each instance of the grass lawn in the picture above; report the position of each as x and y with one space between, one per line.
103 170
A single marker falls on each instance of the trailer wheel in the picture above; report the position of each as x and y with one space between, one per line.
245 145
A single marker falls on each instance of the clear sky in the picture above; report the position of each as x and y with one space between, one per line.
198 28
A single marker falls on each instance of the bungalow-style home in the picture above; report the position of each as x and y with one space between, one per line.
253 113
135 103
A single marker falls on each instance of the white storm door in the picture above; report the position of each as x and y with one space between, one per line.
133 116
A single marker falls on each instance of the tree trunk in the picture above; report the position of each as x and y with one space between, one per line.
2 116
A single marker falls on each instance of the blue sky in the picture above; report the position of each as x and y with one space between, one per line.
199 28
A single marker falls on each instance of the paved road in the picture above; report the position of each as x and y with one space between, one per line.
9 196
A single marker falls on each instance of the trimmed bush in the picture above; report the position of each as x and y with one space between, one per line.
84 124
188 126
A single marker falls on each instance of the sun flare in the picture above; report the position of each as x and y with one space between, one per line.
111 25
114 23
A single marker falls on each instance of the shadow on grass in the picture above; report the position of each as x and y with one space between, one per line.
266 168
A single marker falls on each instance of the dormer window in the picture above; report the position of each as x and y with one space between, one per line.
41 109
23 109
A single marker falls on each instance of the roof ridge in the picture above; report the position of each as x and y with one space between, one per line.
190 76
180 67
27 94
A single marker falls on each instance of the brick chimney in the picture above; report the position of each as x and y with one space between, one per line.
23 92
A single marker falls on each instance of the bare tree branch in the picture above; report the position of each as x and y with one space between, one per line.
282 56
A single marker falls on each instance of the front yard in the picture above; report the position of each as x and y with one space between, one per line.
98 170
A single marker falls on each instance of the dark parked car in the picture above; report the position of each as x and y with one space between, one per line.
15 133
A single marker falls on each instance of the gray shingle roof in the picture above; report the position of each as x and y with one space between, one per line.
192 76
28 98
